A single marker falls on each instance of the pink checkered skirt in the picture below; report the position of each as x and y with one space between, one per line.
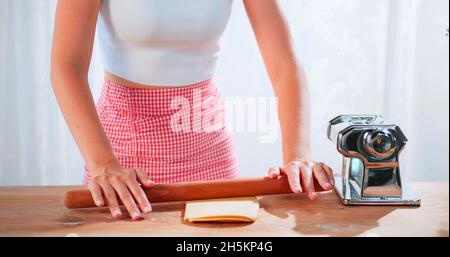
153 129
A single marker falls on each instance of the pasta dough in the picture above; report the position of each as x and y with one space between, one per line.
222 210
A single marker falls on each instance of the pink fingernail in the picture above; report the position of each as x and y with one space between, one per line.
147 209
117 214
328 186
135 215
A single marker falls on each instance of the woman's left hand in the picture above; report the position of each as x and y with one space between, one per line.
301 175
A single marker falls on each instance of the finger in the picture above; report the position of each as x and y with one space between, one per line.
140 196
96 192
321 176
307 180
143 178
111 199
329 172
274 172
292 171
127 200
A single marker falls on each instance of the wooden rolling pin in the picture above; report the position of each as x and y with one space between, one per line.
188 191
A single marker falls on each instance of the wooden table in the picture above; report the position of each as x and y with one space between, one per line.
37 211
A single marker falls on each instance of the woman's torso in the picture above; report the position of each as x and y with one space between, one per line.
162 43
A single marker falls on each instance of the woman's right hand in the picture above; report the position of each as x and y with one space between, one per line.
110 181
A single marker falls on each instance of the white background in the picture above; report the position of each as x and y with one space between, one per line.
387 57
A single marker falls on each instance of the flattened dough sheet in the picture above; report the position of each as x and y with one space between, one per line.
222 210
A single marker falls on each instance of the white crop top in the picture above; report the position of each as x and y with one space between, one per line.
162 42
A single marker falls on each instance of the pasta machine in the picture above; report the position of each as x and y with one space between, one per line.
370 167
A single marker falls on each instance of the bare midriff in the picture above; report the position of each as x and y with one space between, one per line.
121 81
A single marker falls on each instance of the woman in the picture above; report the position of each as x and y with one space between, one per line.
155 51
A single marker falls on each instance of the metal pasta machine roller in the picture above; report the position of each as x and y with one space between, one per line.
370 167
